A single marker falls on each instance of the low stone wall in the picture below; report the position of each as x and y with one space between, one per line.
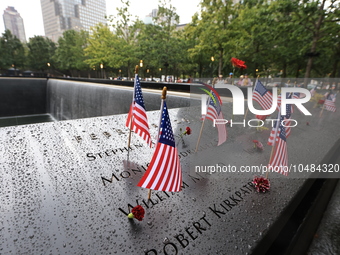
22 96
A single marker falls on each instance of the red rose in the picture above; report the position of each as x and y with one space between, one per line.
188 130
238 63
138 212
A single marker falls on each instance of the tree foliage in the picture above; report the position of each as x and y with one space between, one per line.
126 29
102 48
12 52
70 53
162 47
41 52
290 38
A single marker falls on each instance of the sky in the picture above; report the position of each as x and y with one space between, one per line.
30 11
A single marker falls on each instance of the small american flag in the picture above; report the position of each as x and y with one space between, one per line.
312 92
296 95
214 112
279 159
137 117
286 122
262 96
164 172
288 95
330 103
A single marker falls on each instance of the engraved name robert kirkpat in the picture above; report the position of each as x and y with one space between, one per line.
198 227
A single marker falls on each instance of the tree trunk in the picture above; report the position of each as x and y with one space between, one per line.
200 68
128 70
335 67
166 74
297 71
311 58
284 70
316 37
220 62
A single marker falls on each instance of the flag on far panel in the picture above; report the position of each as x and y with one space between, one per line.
263 97
295 95
137 118
286 122
279 159
214 111
330 103
164 172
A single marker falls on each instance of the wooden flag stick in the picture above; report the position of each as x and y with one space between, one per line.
245 116
275 135
270 159
323 106
199 137
129 139
133 98
200 134
163 97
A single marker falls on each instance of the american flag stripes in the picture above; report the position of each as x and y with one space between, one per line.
137 119
262 96
329 103
164 172
288 95
312 92
214 112
286 122
279 159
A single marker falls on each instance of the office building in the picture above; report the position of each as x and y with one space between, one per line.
62 15
14 23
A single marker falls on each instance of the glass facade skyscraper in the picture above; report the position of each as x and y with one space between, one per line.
14 23
62 15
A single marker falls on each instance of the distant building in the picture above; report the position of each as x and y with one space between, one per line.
181 26
14 23
62 15
149 18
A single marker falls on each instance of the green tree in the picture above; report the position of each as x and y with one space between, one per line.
126 29
314 16
12 52
287 39
41 52
148 45
70 54
252 36
214 29
161 46
166 20
199 57
104 48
